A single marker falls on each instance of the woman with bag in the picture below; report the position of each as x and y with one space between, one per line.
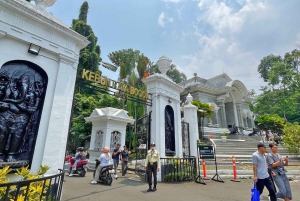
277 164
124 160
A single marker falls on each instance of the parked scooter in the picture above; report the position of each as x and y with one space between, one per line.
81 167
105 175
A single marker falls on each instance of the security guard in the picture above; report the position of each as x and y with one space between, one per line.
152 165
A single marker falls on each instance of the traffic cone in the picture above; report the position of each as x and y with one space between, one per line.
235 179
211 136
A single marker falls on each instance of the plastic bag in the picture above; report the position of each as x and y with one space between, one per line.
255 195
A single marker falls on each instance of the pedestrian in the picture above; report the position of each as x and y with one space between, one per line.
260 171
241 129
124 160
277 164
80 155
270 136
104 161
263 135
116 158
152 166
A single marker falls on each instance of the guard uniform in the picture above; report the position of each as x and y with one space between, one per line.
152 163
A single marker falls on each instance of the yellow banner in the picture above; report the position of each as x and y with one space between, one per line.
104 81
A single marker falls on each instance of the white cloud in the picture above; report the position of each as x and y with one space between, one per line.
236 39
161 19
179 12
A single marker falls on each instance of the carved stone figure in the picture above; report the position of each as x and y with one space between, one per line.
22 91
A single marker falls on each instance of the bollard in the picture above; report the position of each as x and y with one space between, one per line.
204 170
211 136
235 179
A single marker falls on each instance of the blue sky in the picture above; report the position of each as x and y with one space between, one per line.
205 37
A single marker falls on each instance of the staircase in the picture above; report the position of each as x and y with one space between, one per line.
215 131
242 147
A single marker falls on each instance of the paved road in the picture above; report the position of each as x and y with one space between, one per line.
126 189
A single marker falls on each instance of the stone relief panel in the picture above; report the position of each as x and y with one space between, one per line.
22 91
115 139
99 141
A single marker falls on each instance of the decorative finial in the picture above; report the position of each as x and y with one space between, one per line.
163 64
43 4
189 99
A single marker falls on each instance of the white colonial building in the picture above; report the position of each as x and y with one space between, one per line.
229 98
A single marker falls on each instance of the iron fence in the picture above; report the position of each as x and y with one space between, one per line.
42 189
178 169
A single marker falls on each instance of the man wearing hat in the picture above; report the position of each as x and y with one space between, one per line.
260 171
152 165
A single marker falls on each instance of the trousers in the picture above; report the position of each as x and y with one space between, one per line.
267 182
152 169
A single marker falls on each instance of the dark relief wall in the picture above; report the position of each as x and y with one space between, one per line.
169 131
22 91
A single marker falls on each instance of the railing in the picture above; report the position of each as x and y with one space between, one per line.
42 189
178 169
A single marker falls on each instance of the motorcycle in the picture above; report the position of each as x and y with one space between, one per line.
81 167
105 175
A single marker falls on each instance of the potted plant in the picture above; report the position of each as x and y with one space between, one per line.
224 136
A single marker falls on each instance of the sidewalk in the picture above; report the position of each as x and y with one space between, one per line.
127 189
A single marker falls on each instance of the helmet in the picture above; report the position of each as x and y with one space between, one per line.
80 149
105 149
152 144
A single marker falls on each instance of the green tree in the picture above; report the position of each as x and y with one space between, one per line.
291 138
89 57
266 65
204 111
173 73
281 96
88 96
270 122
84 9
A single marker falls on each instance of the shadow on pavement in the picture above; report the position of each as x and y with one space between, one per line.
95 192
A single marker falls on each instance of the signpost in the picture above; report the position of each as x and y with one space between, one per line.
207 151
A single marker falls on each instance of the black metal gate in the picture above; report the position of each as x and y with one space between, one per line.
185 139
142 144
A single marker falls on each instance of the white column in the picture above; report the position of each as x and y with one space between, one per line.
178 131
217 117
123 135
223 114
235 114
60 117
190 116
252 122
240 114
93 139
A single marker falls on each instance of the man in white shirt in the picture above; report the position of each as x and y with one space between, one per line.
104 161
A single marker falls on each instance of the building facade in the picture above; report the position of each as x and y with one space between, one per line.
229 98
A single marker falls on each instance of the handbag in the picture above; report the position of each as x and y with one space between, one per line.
255 194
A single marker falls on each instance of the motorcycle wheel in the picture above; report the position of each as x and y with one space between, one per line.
81 172
109 179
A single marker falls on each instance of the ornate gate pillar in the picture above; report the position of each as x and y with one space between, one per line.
190 116
165 94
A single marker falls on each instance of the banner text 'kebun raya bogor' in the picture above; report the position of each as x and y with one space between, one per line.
104 81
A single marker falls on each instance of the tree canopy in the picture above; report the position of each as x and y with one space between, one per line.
282 95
